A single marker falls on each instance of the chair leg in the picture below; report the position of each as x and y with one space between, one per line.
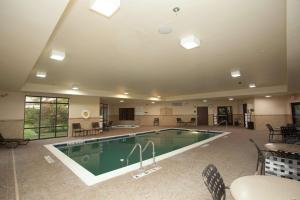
257 163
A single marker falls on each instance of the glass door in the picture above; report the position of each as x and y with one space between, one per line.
296 113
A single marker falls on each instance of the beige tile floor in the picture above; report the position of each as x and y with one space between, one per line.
179 179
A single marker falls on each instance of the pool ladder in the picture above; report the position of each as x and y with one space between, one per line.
138 145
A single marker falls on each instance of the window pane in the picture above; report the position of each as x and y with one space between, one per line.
48 114
62 100
62 114
61 131
32 99
47 132
32 115
49 99
31 133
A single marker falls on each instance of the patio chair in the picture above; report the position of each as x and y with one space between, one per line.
261 155
283 167
193 121
214 182
156 121
95 127
273 132
179 121
289 134
107 126
12 142
77 130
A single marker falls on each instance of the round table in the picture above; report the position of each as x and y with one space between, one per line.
265 188
292 148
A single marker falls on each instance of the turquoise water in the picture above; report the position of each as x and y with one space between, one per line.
103 155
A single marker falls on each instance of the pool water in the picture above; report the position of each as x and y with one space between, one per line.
99 156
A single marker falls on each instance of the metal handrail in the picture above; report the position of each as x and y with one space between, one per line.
222 123
153 150
141 156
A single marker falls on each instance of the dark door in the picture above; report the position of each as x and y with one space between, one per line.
225 114
202 116
244 112
296 113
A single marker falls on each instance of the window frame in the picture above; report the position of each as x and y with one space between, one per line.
40 113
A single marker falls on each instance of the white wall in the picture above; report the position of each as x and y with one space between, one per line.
80 103
12 106
277 105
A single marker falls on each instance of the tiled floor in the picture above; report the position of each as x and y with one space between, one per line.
179 179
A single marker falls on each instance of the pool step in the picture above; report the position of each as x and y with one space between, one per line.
146 172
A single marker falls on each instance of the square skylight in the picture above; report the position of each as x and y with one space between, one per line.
105 7
235 73
57 55
190 42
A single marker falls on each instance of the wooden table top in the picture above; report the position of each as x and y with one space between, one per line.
292 148
265 188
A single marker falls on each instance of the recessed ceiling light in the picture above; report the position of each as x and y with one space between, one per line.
190 42
126 93
153 102
41 74
158 96
57 55
235 73
105 7
268 96
74 87
164 29
122 101
231 99
204 100
252 85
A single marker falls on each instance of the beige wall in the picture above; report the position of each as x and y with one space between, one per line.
12 112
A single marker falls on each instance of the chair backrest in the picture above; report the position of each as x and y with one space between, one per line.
76 126
257 148
283 167
214 182
95 125
156 120
178 120
1 137
110 123
193 119
270 128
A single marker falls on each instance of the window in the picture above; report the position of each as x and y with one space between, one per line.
104 112
126 113
46 117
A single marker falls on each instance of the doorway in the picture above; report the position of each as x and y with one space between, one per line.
225 114
244 112
202 116
296 113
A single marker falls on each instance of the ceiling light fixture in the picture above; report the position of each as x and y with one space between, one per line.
158 96
153 102
126 93
252 85
41 74
105 7
57 55
122 101
204 100
231 99
190 42
268 96
235 73
74 87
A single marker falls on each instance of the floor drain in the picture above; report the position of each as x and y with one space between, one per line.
146 172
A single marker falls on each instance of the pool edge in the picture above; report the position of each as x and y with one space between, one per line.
90 179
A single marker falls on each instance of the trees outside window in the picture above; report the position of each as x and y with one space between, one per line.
46 117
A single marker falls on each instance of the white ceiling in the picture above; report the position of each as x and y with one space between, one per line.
126 52
25 29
